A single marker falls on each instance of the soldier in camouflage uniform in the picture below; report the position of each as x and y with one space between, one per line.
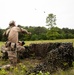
13 45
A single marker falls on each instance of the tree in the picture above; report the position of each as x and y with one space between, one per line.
34 37
0 34
51 20
53 33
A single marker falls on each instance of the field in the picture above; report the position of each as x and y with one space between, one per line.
29 63
45 41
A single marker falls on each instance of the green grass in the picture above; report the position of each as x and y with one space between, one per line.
1 43
52 41
45 41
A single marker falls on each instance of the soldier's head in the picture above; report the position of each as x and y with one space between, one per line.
12 23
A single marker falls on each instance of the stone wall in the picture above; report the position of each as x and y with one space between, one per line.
57 55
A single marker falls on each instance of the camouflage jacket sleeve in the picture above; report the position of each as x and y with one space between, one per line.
25 31
22 30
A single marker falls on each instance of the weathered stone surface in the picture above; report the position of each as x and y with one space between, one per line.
59 57
42 49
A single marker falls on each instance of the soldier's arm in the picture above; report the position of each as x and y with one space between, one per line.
25 31
22 30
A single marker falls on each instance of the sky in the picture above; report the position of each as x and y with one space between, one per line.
34 12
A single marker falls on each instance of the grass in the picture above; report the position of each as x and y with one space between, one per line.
28 62
45 41
52 41
1 43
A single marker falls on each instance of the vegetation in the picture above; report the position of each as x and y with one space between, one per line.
42 33
50 34
45 41
51 20
22 68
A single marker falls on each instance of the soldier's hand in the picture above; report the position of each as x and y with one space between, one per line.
29 33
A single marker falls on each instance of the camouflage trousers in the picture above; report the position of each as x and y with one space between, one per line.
12 55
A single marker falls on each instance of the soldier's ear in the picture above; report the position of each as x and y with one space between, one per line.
15 45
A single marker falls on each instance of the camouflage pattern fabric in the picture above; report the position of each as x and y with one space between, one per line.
13 52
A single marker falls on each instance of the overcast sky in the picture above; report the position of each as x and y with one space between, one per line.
34 12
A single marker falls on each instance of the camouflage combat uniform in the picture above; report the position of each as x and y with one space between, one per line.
14 47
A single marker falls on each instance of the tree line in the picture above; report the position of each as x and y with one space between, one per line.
42 33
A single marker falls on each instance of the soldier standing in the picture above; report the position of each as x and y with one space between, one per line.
12 33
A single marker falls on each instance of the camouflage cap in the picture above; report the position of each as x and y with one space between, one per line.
12 23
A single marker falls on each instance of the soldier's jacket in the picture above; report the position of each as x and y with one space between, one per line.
13 33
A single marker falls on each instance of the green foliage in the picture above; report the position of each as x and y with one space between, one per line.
38 33
0 34
34 37
55 33
19 70
52 33
2 38
3 72
51 20
40 73
42 33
